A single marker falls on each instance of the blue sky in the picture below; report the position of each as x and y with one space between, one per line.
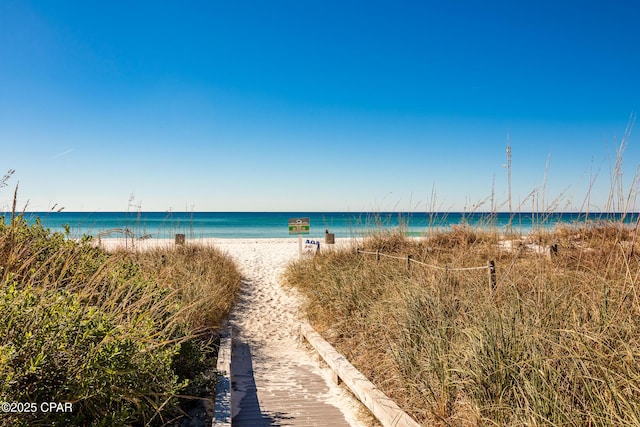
316 106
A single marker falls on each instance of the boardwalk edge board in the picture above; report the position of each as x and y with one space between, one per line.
222 406
380 405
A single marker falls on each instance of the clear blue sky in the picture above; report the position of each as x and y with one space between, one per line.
315 106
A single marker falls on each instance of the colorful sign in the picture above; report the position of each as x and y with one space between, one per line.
299 226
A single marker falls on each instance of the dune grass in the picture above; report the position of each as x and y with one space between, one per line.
126 337
556 343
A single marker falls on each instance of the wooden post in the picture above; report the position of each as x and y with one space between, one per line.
377 254
179 239
408 262
300 245
492 275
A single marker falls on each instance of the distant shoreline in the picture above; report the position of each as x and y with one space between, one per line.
261 225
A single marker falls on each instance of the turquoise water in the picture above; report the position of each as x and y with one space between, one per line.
275 224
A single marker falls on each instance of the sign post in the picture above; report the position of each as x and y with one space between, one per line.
299 226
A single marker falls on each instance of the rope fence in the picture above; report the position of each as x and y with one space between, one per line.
491 266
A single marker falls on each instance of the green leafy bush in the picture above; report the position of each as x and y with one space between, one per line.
58 350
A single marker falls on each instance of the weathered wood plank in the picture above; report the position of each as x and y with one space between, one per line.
380 405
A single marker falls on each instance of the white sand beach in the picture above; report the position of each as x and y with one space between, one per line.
265 321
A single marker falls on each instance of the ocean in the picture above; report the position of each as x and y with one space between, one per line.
275 224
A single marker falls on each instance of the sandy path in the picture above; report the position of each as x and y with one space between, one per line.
278 381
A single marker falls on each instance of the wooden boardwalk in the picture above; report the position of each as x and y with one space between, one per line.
292 397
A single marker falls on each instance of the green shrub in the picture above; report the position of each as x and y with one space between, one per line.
57 350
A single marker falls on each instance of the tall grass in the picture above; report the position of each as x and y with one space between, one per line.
204 279
119 335
557 343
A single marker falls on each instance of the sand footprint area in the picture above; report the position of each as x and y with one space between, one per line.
276 379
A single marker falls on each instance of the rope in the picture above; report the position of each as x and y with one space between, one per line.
468 268
437 267
393 257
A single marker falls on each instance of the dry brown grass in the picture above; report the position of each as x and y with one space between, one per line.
556 343
205 280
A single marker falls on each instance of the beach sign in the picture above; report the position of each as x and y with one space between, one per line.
299 226
311 247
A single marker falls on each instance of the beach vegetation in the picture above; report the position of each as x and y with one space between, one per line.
124 337
554 342
479 325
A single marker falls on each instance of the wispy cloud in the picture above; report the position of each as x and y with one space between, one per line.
64 153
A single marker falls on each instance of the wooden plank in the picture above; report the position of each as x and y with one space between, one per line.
222 406
380 405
